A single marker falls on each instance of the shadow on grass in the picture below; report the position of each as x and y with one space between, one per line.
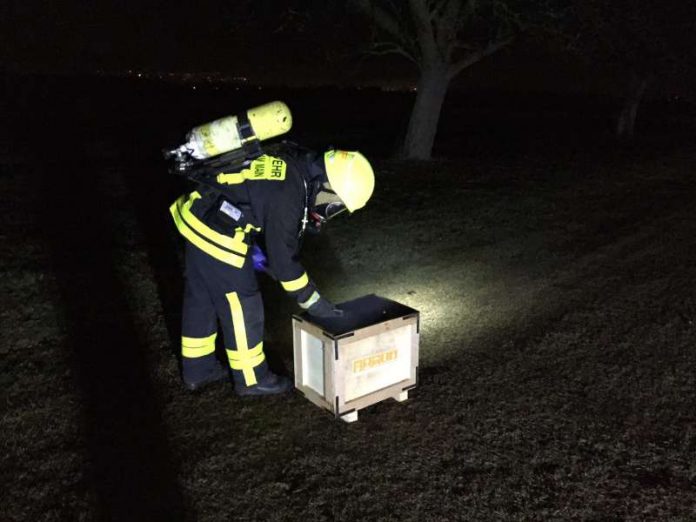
151 192
131 470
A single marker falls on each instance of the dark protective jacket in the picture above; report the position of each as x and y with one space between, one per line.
266 203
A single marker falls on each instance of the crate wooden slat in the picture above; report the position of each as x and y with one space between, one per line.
369 355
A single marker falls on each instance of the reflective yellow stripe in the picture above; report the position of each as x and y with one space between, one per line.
198 346
239 236
197 342
309 302
236 243
240 356
263 168
297 284
234 178
207 247
240 337
246 360
192 353
247 367
238 322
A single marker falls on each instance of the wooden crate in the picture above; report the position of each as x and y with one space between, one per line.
367 356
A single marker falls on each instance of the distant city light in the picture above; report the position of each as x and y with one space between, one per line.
211 78
217 80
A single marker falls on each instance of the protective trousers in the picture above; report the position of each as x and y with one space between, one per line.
217 293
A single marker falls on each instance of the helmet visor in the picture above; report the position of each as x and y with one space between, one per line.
329 210
327 204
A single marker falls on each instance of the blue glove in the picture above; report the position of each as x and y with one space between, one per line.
259 259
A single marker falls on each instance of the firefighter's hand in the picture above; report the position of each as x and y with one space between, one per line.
324 309
258 258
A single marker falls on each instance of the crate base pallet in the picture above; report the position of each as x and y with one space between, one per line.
348 363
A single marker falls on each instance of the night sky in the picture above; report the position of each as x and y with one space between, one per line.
263 40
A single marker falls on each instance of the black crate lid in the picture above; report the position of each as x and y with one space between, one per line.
360 313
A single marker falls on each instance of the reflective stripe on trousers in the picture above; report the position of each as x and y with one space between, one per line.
218 294
242 358
194 347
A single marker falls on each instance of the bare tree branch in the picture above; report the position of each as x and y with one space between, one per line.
384 48
446 27
437 9
383 18
442 37
467 13
477 56
460 45
387 19
424 29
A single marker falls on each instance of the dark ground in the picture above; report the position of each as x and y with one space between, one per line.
554 272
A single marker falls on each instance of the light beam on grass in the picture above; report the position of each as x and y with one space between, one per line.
441 310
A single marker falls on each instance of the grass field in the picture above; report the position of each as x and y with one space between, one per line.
555 281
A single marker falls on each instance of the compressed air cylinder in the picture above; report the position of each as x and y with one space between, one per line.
222 135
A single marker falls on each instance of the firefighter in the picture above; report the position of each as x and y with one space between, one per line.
267 205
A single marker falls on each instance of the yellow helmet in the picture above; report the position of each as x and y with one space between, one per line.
350 176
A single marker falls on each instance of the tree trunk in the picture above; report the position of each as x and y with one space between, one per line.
626 122
422 126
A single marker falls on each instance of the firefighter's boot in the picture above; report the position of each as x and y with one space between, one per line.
197 372
270 384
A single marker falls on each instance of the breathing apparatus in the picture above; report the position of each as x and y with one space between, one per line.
232 143
228 144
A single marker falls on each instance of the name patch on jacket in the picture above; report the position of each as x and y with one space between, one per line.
232 211
263 168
